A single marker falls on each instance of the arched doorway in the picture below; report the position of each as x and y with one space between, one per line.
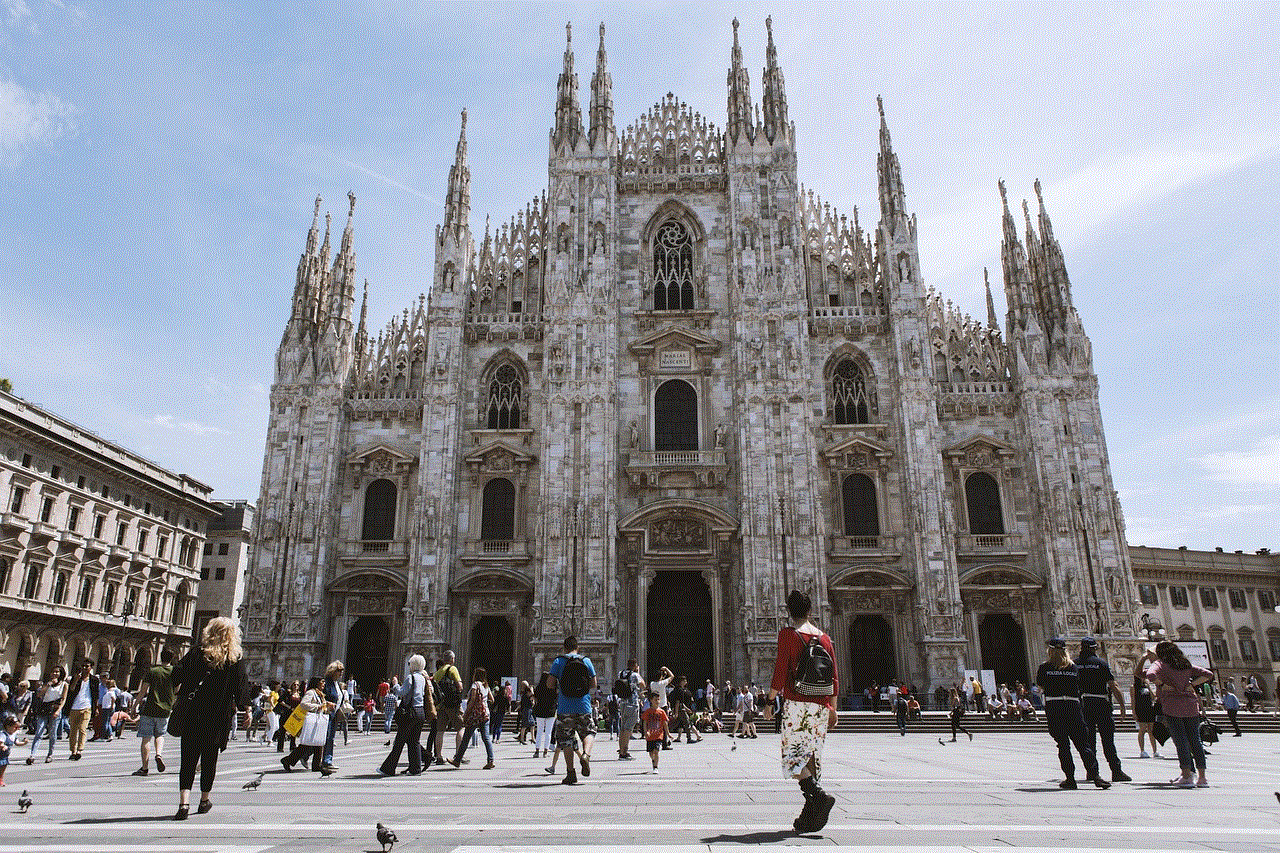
871 652
368 647
492 647
679 631
1004 648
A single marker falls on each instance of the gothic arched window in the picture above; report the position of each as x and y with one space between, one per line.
498 513
672 268
675 416
504 399
849 394
379 512
861 514
982 494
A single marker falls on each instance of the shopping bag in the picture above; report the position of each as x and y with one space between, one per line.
315 730
293 724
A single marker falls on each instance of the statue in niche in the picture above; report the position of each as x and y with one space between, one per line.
299 588
793 353
904 269
429 524
634 436
719 436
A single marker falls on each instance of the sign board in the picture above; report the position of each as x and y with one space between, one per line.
1197 651
675 359
986 677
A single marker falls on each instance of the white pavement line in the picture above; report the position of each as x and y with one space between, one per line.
314 830
139 848
702 848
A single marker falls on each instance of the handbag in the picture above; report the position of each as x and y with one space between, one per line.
180 714
315 729
293 724
477 710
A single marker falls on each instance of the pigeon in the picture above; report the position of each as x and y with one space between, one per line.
388 743
252 784
24 803
386 838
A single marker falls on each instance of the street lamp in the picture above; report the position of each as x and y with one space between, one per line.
126 611
1153 629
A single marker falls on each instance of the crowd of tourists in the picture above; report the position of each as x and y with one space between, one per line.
437 715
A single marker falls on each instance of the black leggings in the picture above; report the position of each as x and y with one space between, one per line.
204 753
956 716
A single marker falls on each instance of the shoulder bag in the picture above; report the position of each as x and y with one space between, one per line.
180 715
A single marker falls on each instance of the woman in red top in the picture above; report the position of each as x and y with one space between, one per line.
807 713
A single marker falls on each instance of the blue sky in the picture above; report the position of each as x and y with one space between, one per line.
159 162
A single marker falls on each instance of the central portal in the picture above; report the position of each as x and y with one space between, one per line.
368 646
679 627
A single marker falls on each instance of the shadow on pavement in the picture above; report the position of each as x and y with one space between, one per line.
756 837
131 819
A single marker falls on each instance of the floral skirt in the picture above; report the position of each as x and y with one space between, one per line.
804 729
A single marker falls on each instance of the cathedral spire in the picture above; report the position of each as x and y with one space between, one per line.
362 334
740 123
305 284
342 281
992 323
893 198
457 205
568 114
1017 274
774 96
1055 265
602 132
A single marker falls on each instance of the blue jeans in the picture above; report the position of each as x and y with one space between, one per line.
328 741
1185 732
46 725
483 730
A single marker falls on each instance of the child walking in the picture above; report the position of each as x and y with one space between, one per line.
8 742
655 728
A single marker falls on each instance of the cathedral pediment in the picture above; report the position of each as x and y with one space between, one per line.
675 349
980 451
500 455
381 458
856 451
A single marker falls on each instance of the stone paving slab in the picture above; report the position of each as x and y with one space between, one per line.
894 793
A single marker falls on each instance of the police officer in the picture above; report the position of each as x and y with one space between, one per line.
1097 686
1060 681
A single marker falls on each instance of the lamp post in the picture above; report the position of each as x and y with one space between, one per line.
1153 629
126 611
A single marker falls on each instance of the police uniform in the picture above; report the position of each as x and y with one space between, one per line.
1061 686
1095 702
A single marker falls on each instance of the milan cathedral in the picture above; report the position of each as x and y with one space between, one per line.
672 387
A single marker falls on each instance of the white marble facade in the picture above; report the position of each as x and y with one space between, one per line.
671 388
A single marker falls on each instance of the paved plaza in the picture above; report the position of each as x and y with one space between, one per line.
892 792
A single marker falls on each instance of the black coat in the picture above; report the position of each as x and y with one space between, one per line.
214 708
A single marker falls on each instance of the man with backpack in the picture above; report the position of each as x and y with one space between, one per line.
447 682
574 678
628 687
805 674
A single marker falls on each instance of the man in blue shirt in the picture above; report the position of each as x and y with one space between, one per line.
574 678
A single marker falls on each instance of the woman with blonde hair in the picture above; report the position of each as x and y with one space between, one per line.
211 678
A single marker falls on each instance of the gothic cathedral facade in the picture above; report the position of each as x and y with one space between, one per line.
673 387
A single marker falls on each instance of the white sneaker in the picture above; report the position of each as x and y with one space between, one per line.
1156 755
1144 754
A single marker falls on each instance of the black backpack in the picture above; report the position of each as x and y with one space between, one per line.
575 678
450 692
622 686
815 670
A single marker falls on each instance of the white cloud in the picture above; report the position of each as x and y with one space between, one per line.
29 119
1258 466
170 422
16 13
